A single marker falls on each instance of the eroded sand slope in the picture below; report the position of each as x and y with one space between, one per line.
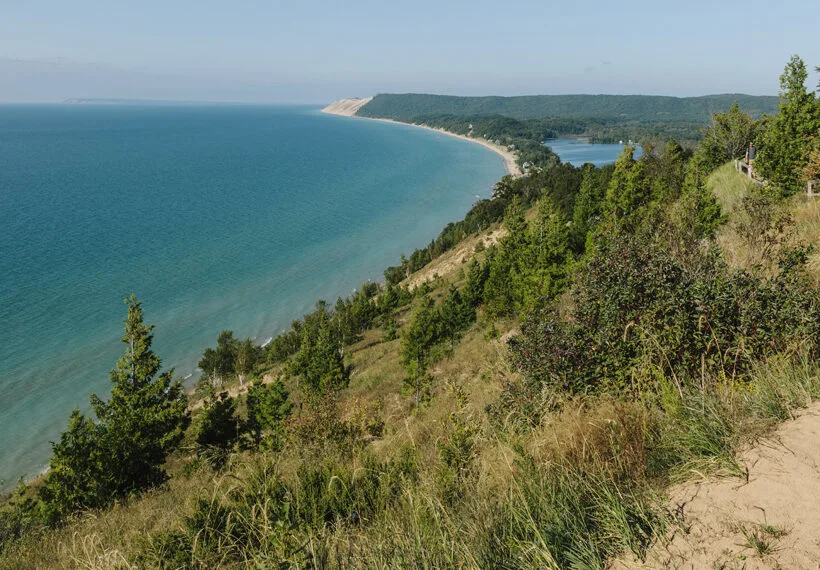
778 509
347 107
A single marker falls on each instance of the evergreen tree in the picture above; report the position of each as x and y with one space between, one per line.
670 175
498 293
219 423
455 316
588 206
504 189
548 256
787 142
508 266
416 344
391 330
95 463
219 362
268 406
320 362
389 300
629 187
704 213
476 278
77 478
247 355
147 414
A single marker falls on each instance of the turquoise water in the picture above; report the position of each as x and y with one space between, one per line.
216 217
578 152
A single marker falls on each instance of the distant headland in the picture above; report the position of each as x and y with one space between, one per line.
350 108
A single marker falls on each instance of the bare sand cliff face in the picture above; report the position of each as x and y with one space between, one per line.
347 107
769 520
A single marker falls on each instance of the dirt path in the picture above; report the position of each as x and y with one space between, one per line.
771 521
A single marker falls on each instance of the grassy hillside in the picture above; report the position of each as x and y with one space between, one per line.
520 393
542 479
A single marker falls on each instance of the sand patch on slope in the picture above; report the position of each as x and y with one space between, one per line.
448 263
347 107
779 504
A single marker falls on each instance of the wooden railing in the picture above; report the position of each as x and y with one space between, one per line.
746 168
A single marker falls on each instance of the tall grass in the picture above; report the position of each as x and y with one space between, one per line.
579 490
729 187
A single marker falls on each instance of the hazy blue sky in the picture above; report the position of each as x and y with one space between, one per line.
312 51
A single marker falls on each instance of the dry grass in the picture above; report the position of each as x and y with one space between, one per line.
106 540
806 216
730 187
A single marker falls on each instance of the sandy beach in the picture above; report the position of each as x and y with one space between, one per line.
349 108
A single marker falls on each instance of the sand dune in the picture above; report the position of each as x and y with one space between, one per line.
347 107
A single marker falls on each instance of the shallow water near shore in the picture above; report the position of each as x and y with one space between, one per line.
216 217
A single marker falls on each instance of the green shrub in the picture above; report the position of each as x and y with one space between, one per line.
637 308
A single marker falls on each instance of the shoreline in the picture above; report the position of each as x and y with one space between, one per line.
349 108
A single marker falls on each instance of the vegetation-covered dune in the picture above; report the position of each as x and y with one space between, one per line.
602 118
620 107
523 392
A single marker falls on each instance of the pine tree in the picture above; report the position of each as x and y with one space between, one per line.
77 478
704 213
629 188
477 274
123 452
548 256
671 173
320 362
787 142
218 422
455 316
508 266
389 300
219 362
588 207
268 406
147 414
416 344
247 355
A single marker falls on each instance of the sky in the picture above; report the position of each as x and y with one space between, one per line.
312 51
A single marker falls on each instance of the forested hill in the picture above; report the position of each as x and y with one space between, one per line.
407 106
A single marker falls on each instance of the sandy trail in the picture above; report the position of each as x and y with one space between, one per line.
349 108
782 496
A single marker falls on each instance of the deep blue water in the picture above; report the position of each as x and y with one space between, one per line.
578 152
216 217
